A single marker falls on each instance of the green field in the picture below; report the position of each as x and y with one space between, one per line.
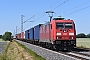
2 40
83 42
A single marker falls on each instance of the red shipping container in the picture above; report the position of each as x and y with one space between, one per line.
23 36
41 33
44 32
19 35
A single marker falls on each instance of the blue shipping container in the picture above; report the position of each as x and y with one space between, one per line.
31 34
36 32
27 34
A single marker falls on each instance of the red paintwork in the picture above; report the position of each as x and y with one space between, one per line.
62 36
19 35
22 35
44 31
47 31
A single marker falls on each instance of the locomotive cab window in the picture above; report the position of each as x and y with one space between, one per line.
64 25
59 25
68 25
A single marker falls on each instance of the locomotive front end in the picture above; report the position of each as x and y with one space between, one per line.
65 34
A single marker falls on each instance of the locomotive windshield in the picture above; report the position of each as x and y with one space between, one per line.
59 25
63 25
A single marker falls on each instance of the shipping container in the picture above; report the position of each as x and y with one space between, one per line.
27 34
36 32
22 35
19 36
31 34
47 31
42 32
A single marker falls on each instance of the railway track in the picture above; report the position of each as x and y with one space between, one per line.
78 53
82 54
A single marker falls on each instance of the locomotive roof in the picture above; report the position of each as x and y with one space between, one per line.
58 18
62 21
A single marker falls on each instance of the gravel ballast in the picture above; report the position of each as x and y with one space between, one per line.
46 53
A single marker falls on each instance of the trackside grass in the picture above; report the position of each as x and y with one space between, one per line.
3 55
36 57
15 51
83 42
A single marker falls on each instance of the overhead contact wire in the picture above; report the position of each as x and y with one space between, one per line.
78 10
55 7
60 4
78 6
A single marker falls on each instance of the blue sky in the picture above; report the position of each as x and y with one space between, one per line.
11 11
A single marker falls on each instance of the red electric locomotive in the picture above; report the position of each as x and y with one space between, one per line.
59 33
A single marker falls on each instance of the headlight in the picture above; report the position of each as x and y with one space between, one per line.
58 34
71 33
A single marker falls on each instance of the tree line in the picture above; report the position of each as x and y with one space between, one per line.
6 36
82 35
